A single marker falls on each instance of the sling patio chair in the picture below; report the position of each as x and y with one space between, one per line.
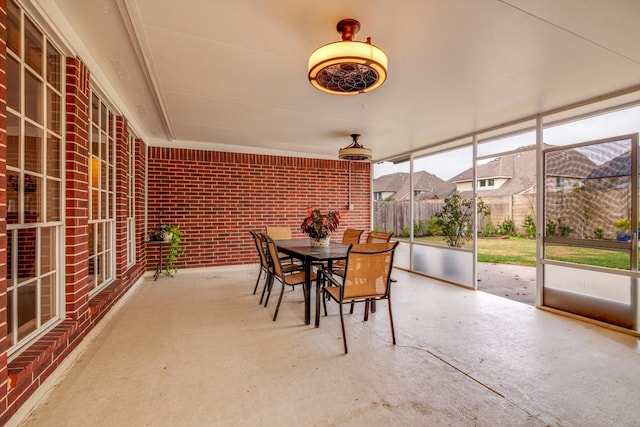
264 263
367 278
378 237
280 232
277 232
291 278
351 236
286 268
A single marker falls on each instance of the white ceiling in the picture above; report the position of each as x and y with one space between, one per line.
232 74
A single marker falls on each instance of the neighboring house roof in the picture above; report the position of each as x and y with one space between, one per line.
399 184
442 191
568 163
518 168
618 166
390 183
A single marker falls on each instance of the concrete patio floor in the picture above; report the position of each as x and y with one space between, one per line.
198 350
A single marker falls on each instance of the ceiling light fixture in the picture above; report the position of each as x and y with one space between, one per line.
348 67
355 151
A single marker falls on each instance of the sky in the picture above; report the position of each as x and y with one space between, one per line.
448 164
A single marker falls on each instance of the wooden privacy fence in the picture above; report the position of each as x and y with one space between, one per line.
395 216
581 217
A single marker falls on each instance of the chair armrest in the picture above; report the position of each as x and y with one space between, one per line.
290 268
326 273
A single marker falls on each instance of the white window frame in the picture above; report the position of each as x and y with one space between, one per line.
131 200
21 336
102 219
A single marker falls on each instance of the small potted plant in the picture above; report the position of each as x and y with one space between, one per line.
319 226
623 229
172 234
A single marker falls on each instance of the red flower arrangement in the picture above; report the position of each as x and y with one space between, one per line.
317 225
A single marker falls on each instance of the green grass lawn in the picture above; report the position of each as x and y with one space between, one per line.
522 251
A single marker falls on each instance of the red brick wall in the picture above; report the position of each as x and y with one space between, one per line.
77 174
216 197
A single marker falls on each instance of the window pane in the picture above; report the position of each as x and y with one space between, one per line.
53 116
33 148
95 141
33 47
105 205
10 323
53 200
26 254
104 176
100 236
95 110
92 239
13 28
33 97
53 67
13 140
95 204
53 156
104 147
92 272
32 199
10 249
13 84
47 298
47 250
104 121
13 185
26 310
107 234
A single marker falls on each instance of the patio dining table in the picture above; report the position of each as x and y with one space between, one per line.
301 249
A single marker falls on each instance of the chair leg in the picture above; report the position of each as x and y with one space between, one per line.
275 315
351 309
366 310
255 288
344 335
266 301
266 285
324 303
393 333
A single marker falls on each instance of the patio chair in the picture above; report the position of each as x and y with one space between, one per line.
289 276
278 232
378 237
351 236
264 263
367 279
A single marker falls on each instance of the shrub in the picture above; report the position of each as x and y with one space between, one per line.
433 227
507 228
551 228
530 226
598 233
489 229
564 229
420 229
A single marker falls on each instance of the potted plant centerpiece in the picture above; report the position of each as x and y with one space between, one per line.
319 226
